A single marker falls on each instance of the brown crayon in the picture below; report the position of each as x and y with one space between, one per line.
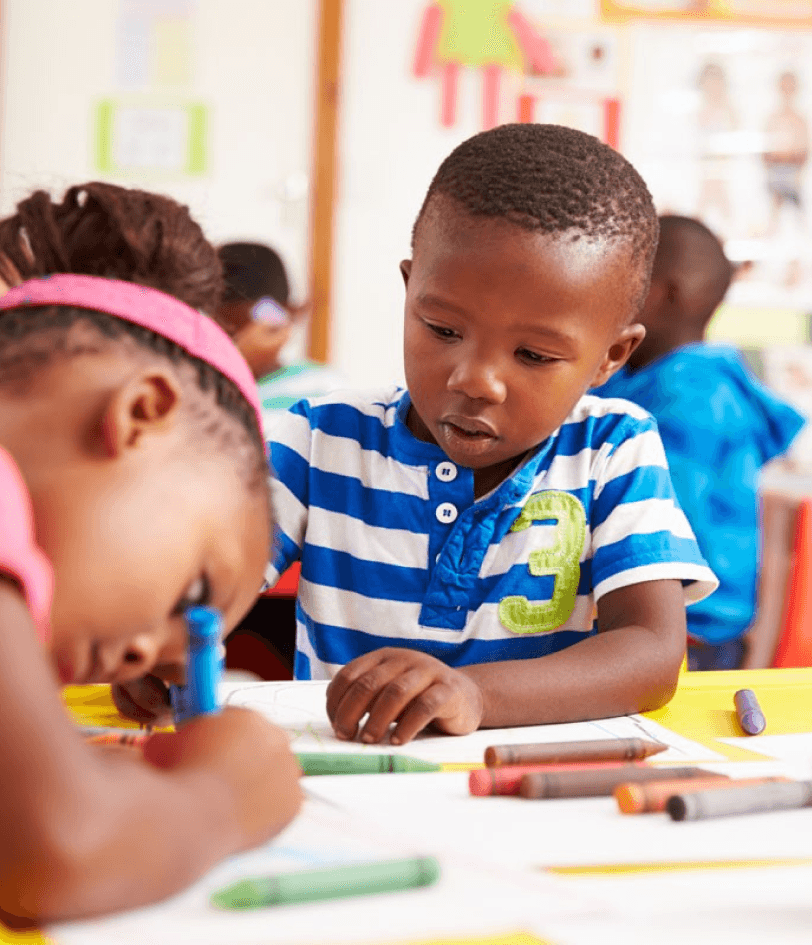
604 749
504 781
649 797
597 783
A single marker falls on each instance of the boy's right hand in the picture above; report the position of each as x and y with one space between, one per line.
247 753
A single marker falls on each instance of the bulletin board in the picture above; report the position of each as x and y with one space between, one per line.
710 105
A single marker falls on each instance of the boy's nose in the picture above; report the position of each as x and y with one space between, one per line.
478 380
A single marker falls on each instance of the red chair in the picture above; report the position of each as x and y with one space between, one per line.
795 642
288 583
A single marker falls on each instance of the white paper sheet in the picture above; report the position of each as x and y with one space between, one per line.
795 751
299 707
466 901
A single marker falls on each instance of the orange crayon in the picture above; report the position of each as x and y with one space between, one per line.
123 739
603 749
652 796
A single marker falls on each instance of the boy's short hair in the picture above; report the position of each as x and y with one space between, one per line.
552 179
253 271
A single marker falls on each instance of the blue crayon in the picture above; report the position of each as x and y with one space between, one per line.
748 711
199 695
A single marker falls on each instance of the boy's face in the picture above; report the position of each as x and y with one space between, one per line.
505 329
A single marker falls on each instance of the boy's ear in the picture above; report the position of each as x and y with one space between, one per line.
618 353
406 270
145 404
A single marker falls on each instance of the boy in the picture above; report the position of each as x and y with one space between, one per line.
256 311
455 537
719 427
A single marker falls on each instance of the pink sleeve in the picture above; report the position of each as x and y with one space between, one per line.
20 556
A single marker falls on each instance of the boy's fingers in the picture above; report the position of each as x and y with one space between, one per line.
359 696
392 700
346 676
422 711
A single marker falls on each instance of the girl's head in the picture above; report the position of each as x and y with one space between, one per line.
134 423
255 309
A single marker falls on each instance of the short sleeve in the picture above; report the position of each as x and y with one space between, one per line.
20 556
639 531
289 470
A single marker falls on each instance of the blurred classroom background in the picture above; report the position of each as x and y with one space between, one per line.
315 126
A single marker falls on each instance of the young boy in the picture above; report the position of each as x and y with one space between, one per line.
457 536
719 427
257 312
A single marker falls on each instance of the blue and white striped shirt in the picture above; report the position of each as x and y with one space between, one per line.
395 551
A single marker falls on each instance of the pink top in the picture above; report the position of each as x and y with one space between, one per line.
20 556
164 314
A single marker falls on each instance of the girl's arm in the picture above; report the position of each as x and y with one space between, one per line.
84 831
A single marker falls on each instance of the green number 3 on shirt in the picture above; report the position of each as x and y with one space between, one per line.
562 560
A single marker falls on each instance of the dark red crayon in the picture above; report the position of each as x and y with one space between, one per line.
504 781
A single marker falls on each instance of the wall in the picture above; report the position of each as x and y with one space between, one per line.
251 64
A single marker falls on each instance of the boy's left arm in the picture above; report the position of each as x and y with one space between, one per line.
631 665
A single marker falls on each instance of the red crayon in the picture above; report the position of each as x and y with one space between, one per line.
505 781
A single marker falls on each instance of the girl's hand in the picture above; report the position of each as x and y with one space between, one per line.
244 751
406 687
144 700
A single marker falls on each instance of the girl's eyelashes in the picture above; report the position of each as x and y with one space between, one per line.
198 594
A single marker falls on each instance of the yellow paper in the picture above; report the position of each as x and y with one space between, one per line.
703 709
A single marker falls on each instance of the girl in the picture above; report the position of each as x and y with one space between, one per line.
132 486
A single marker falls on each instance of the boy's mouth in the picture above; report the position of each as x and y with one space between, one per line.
473 436
469 427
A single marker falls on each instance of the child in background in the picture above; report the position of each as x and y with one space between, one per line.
457 537
132 486
719 426
257 313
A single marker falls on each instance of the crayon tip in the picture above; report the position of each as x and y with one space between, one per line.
241 895
480 783
654 748
630 798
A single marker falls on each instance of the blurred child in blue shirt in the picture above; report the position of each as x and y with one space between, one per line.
719 426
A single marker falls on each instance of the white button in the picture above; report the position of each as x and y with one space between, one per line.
446 472
446 513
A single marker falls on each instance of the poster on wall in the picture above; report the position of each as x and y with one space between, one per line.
527 70
751 12
718 123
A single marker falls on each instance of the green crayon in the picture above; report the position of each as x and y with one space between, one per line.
345 763
360 879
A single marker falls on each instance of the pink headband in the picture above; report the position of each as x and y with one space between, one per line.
197 334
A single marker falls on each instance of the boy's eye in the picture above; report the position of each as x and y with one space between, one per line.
533 358
198 594
440 331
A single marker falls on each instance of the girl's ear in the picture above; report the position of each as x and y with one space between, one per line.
144 405
406 270
618 353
